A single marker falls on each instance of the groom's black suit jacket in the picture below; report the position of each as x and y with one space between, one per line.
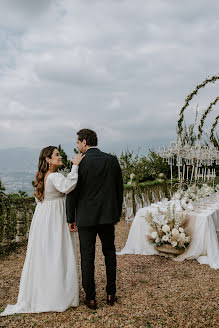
98 196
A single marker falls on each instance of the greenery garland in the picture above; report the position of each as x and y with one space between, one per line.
189 98
207 111
213 127
9 206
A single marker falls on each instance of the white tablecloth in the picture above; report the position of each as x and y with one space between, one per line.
204 245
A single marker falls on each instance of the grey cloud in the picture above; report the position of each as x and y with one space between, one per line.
122 68
28 6
17 14
66 72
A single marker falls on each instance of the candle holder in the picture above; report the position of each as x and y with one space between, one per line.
193 162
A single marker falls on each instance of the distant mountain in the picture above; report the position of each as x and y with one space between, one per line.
16 159
17 168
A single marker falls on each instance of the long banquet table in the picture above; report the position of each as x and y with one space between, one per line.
203 223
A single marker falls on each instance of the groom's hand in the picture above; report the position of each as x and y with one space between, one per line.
72 227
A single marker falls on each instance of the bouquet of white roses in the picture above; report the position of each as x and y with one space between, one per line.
205 191
169 228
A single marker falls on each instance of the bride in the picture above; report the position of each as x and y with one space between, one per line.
49 280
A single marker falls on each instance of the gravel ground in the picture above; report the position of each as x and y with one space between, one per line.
153 292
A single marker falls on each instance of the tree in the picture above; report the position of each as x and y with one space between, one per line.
2 188
144 169
65 161
22 193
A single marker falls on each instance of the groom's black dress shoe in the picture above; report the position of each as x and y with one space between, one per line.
111 299
92 304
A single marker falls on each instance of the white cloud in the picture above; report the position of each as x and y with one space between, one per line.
115 104
122 67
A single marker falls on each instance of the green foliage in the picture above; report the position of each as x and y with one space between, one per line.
144 168
2 188
213 79
158 164
22 193
215 140
9 207
128 162
212 136
203 118
19 195
188 135
65 161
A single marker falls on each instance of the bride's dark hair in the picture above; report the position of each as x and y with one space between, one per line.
43 167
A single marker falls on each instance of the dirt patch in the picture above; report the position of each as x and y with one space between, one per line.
153 292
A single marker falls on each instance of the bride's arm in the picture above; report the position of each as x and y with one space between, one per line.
65 184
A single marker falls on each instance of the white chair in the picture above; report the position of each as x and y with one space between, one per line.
138 203
129 214
146 201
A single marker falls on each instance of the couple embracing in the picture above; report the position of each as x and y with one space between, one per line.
94 188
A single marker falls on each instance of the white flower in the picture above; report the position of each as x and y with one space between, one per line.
174 243
157 240
178 195
194 197
132 175
154 235
186 199
182 237
165 238
166 228
175 232
181 229
129 183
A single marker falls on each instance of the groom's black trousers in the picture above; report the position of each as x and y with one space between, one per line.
87 237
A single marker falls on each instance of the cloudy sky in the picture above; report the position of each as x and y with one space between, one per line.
120 67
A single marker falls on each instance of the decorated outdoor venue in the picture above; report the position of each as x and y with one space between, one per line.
168 234
182 223
109 164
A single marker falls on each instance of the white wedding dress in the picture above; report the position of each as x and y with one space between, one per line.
49 280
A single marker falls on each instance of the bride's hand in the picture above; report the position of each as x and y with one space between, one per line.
77 159
72 227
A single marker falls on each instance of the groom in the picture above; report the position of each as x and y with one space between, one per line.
95 205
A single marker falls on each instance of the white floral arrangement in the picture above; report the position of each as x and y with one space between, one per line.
194 193
205 191
179 194
132 181
169 228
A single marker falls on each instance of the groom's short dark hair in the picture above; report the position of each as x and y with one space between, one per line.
89 135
